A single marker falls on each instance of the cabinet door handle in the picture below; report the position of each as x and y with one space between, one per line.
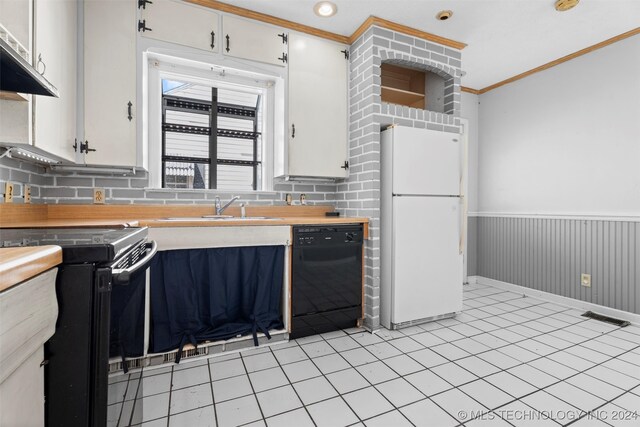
213 39
142 26
293 131
143 3
227 49
129 105
44 66
84 148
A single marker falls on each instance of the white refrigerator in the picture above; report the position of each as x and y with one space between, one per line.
421 242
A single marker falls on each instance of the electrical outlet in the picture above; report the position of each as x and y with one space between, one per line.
8 192
99 196
27 194
585 280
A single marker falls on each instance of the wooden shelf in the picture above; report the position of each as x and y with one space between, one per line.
403 86
402 97
13 96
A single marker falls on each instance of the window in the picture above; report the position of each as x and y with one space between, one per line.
211 136
215 125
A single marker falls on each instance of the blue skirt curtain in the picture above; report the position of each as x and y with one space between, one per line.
202 295
126 337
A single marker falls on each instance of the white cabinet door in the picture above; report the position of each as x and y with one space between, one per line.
181 23
22 394
110 82
317 107
55 55
17 17
250 40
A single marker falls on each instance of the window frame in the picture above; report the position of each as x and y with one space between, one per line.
158 67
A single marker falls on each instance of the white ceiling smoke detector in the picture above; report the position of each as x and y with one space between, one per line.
443 15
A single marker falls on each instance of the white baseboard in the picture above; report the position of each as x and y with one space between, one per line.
558 299
472 280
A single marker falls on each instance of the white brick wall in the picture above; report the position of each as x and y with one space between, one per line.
359 195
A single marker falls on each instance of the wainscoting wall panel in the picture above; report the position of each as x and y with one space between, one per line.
549 254
472 246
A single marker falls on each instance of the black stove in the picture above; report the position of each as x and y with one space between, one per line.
99 265
79 245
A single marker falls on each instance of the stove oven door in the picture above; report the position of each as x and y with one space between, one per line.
76 373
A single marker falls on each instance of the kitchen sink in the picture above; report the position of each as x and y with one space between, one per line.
220 218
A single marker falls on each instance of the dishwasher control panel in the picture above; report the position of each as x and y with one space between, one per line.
327 235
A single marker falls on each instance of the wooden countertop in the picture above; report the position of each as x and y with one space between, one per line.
120 216
20 264
196 222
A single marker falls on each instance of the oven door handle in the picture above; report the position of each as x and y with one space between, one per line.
121 276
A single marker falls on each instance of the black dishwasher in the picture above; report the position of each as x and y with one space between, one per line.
326 282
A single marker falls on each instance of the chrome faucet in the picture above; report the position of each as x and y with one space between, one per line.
220 208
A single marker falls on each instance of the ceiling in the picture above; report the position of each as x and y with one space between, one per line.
504 37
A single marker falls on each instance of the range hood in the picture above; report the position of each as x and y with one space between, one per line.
17 75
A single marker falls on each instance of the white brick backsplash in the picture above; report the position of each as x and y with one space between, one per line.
74 188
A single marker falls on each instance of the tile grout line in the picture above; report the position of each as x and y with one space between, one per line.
369 382
252 388
323 375
213 396
294 389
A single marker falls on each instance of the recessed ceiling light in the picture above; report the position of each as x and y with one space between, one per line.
443 15
562 5
325 9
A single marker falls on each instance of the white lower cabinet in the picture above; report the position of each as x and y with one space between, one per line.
317 107
28 313
251 40
22 394
181 23
55 56
110 82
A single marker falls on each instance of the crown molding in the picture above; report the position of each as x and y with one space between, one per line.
559 61
470 90
372 20
390 25
269 19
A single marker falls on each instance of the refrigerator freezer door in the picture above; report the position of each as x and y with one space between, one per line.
427 267
425 162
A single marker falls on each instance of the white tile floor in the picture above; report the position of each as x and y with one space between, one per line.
506 360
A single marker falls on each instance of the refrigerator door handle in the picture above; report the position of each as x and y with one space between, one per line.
463 224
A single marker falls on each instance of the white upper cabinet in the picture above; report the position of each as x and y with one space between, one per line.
55 55
317 107
251 40
181 23
110 82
